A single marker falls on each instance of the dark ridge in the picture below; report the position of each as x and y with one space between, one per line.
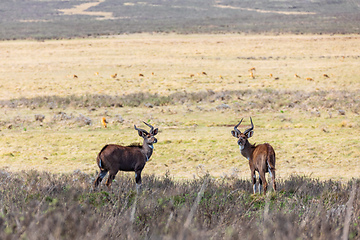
35 19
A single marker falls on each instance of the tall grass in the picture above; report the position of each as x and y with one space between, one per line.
40 205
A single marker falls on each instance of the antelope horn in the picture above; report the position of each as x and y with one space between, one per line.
250 129
235 128
139 129
152 128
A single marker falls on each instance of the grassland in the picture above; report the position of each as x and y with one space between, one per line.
194 88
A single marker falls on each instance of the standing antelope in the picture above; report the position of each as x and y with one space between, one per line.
113 158
104 122
251 72
261 157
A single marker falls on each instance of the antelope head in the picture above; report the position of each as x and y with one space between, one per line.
243 137
148 137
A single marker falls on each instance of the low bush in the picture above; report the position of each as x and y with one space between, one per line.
258 99
41 205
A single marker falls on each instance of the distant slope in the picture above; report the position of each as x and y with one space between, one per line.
79 18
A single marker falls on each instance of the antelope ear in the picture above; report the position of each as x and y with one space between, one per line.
235 134
155 131
250 134
141 133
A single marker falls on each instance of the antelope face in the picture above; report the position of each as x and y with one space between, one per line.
242 139
150 139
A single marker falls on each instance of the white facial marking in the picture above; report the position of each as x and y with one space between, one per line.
151 146
241 147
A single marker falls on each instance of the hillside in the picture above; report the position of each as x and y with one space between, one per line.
77 18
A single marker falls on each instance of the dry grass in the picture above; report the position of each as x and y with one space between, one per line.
30 69
194 126
38 205
190 143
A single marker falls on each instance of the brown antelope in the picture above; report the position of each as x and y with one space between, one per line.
113 158
104 122
251 72
252 75
261 157
114 75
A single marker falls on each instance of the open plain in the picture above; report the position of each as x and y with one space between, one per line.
304 100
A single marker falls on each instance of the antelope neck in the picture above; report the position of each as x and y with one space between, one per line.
246 150
147 151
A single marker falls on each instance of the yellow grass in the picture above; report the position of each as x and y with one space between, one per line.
31 68
191 141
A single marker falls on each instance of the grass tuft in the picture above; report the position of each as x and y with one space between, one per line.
37 205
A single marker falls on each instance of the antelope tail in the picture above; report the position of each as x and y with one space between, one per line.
270 158
99 162
98 159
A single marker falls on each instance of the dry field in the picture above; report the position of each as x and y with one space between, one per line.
205 82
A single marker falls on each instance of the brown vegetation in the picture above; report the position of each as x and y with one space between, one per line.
38 205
